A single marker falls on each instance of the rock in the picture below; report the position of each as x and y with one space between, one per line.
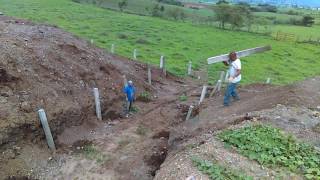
191 178
9 153
1 13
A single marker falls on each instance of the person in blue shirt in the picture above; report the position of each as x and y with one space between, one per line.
130 92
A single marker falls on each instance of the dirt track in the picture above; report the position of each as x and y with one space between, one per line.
45 67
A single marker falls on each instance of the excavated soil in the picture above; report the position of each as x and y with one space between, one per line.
44 67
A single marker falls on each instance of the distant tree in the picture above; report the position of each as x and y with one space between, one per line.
162 8
123 4
222 14
176 14
222 2
307 20
156 11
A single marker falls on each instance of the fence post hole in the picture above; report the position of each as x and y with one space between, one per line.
112 48
97 102
46 128
149 74
189 113
135 54
189 68
203 94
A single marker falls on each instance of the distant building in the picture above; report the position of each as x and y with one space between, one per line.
195 5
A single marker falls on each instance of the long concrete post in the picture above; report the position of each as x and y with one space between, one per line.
125 81
46 128
189 68
268 81
164 68
161 62
189 113
149 75
203 94
112 48
135 54
226 77
97 102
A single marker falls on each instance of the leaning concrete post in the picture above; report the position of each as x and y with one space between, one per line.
149 74
46 128
97 102
189 113
216 87
135 54
189 68
268 81
112 48
203 94
219 85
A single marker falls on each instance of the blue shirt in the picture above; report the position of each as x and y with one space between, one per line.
129 90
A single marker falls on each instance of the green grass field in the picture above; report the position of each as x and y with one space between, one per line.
178 41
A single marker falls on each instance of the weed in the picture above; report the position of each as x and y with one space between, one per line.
134 109
123 143
183 98
90 152
144 96
215 171
269 146
141 130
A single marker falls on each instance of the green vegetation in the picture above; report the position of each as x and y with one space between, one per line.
270 146
215 171
90 152
178 41
145 96
183 98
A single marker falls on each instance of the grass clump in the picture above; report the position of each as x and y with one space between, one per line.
90 152
144 96
141 130
270 146
215 171
183 98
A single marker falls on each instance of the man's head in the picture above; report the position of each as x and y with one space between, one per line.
233 56
130 83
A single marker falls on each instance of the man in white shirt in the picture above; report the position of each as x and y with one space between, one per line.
234 78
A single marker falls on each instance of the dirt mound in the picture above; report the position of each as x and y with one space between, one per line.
44 67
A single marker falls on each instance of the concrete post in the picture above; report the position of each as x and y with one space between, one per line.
219 85
97 102
125 81
112 48
189 68
189 113
226 79
203 94
46 128
91 41
135 54
161 62
149 74
268 81
221 76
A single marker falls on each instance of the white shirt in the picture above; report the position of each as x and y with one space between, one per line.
234 66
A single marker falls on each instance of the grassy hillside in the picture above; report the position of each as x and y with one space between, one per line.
179 42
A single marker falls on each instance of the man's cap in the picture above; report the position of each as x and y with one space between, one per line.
130 82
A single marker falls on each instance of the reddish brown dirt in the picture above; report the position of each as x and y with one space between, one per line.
44 67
